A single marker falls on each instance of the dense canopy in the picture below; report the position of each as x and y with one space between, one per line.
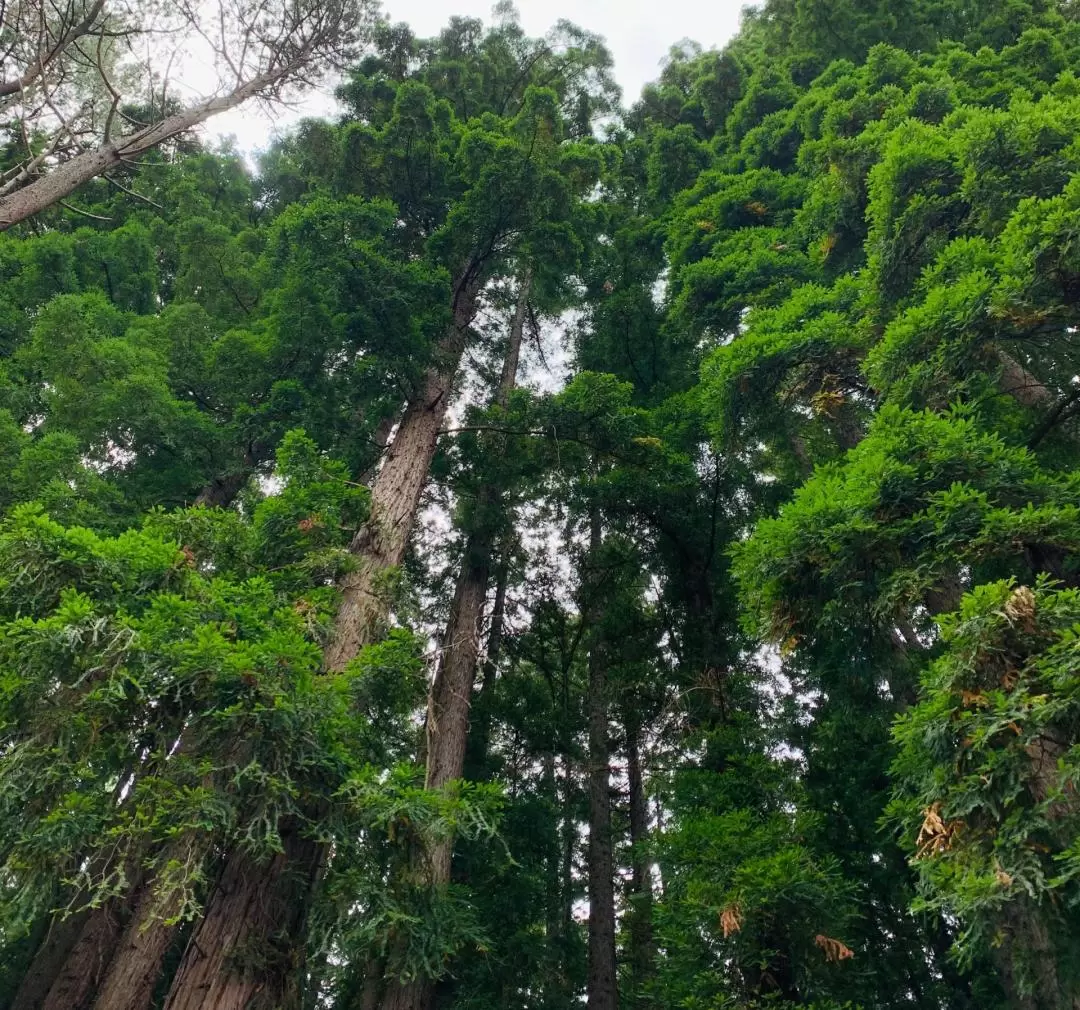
518 546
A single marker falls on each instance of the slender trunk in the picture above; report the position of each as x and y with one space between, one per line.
566 869
62 181
602 990
641 896
552 922
450 699
242 955
497 628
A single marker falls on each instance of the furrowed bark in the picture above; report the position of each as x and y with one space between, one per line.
395 493
241 955
450 698
75 985
602 989
48 960
136 966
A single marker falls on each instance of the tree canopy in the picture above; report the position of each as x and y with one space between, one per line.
513 548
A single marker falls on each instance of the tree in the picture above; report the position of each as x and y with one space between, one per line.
75 116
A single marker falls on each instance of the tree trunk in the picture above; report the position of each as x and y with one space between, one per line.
63 180
242 955
258 909
566 856
136 966
221 492
450 699
48 961
602 990
381 543
1016 381
1028 962
641 896
74 986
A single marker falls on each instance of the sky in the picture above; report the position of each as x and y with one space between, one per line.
639 34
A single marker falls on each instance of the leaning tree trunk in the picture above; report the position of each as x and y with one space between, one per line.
262 908
62 181
450 698
395 495
602 989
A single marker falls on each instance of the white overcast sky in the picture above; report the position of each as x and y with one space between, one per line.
638 32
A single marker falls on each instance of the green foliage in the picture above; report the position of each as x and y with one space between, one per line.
985 774
805 505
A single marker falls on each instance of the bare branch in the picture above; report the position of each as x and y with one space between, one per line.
53 48
263 48
79 210
130 192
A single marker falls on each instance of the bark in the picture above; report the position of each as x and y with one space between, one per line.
135 968
480 728
450 699
48 960
1028 962
1021 385
369 999
221 492
395 494
417 994
242 954
497 628
261 909
63 180
602 989
642 953
74 986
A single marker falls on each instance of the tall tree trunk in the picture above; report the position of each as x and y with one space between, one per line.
451 691
242 954
476 751
262 908
75 984
641 896
395 493
602 989
49 959
135 968
566 856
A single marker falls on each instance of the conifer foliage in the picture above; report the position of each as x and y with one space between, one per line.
517 548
